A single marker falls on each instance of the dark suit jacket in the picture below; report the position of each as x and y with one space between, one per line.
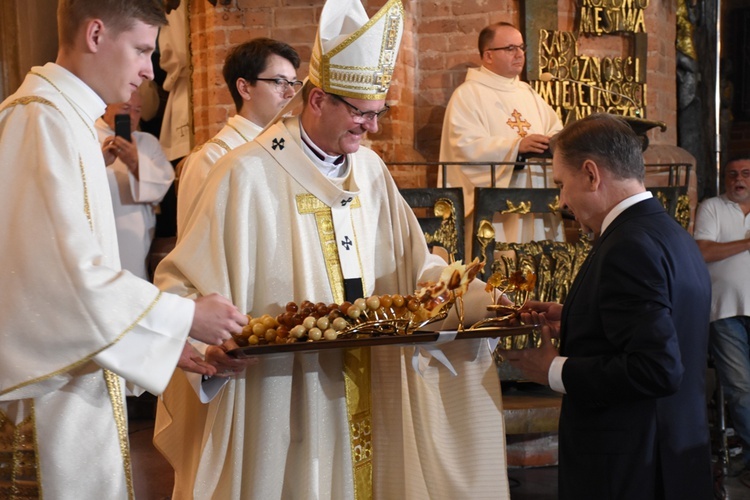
633 424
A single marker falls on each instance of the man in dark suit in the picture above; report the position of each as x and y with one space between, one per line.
633 331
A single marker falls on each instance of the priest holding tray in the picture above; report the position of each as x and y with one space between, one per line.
306 213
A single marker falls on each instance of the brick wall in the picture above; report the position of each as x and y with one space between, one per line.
439 44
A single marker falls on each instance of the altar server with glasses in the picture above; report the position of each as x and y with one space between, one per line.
261 76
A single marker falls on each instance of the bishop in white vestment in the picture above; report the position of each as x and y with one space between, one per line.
284 219
261 235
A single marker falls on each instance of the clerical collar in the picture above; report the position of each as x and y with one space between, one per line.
331 166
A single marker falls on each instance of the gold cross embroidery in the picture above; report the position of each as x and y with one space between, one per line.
519 123
308 204
357 361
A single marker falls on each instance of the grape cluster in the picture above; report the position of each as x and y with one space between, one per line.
309 321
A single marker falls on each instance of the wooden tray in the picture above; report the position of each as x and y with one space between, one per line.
371 341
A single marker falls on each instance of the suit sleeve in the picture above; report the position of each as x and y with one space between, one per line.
636 353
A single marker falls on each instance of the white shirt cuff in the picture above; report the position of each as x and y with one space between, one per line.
206 388
555 374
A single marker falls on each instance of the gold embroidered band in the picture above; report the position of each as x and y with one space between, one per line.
356 361
19 476
118 410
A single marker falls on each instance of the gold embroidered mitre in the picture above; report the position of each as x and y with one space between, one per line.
353 55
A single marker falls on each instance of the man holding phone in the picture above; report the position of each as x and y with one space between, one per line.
139 176
122 126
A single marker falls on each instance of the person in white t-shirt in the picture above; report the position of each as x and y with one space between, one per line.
722 231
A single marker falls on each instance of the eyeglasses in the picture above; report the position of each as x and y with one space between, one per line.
282 84
735 174
358 114
509 49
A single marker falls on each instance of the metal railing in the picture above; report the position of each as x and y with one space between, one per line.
679 173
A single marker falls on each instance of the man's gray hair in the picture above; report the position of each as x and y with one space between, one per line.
606 139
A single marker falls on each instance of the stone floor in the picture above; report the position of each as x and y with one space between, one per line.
152 475
735 489
537 483
153 478
540 483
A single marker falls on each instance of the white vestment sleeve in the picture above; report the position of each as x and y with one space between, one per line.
164 328
174 59
155 173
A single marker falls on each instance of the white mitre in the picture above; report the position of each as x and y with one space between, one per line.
353 55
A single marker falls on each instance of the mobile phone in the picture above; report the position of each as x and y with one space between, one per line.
122 126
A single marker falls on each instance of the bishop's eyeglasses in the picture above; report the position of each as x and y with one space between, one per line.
509 49
282 84
358 114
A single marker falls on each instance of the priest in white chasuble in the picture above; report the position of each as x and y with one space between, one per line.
495 117
74 327
305 213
